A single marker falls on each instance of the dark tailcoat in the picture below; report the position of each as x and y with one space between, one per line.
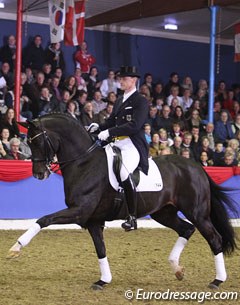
128 119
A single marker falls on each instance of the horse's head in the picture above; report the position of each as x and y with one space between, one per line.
43 148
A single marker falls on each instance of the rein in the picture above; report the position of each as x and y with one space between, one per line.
49 147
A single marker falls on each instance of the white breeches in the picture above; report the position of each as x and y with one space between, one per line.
130 157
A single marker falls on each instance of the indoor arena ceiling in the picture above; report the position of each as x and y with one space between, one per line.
191 16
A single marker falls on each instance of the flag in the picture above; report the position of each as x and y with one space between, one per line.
237 42
75 21
57 20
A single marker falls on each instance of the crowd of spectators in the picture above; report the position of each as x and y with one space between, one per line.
178 110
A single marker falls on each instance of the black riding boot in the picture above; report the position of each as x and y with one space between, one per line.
131 198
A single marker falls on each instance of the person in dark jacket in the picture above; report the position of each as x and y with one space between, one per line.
34 56
126 126
8 52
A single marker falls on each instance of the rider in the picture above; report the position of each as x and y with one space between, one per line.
126 127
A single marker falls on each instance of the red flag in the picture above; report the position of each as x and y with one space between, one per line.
74 24
237 42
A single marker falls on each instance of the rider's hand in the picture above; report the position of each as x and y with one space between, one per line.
103 135
93 127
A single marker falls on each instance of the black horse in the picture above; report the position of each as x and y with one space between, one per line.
90 197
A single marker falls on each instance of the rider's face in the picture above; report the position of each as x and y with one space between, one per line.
128 83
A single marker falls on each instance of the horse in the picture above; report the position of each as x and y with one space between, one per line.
90 199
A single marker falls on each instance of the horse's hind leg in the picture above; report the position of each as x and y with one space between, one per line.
96 232
168 217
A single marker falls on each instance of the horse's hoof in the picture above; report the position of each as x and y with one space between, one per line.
215 284
98 285
180 273
13 254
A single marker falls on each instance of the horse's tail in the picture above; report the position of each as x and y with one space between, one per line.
220 202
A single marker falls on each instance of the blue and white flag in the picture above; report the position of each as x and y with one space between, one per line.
57 12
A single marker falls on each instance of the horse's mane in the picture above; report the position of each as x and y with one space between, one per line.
63 116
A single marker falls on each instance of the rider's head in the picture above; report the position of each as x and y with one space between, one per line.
128 78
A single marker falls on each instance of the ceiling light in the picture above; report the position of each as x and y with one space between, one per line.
170 26
2 5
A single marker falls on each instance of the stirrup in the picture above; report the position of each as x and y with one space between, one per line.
130 223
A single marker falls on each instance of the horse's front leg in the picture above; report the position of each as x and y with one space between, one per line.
66 216
96 232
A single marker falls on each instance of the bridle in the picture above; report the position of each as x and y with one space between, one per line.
50 164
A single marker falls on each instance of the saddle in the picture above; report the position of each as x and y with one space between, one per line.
144 183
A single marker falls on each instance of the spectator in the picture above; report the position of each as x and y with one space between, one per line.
71 109
144 90
97 102
7 75
228 102
165 121
87 116
30 76
228 160
81 100
209 133
147 132
5 134
47 102
3 153
236 124
148 81
174 94
34 56
84 60
54 56
159 102
62 105
35 93
47 70
234 144
59 74
70 84
223 128
158 92
187 84
109 84
204 147
10 123
221 91
164 139
111 98
177 145
8 52
155 146
55 89
81 83
166 151
15 152
176 130
218 153
153 118
186 143
236 110
204 159
186 100
186 153
194 119
178 117
93 82
104 114
174 80
217 111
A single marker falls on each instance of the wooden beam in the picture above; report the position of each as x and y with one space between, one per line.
152 8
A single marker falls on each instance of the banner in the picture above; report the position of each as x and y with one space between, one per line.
75 22
237 42
57 20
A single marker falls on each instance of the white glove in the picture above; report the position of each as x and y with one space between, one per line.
103 135
93 127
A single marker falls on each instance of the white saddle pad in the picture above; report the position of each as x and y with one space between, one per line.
148 183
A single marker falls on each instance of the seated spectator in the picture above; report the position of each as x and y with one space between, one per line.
8 52
144 90
159 102
111 97
59 74
70 84
155 146
104 114
54 56
15 153
195 106
72 109
109 84
163 138
236 110
176 130
186 153
62 105
208 132
158 92
204 147
55 89
217 111
228 102
173 81
35 93
93 82
3 152
178 117
187 84
223 128
47 70
186 143
81 83
234 144
153 118
221 91
147 132
81 100
98 103
148 81
165 121
186 100
10 123
204 159
173 105
228 160
7 75
177 145
87 115
218 153
30 76
174 93
47 102
4 137
194 120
